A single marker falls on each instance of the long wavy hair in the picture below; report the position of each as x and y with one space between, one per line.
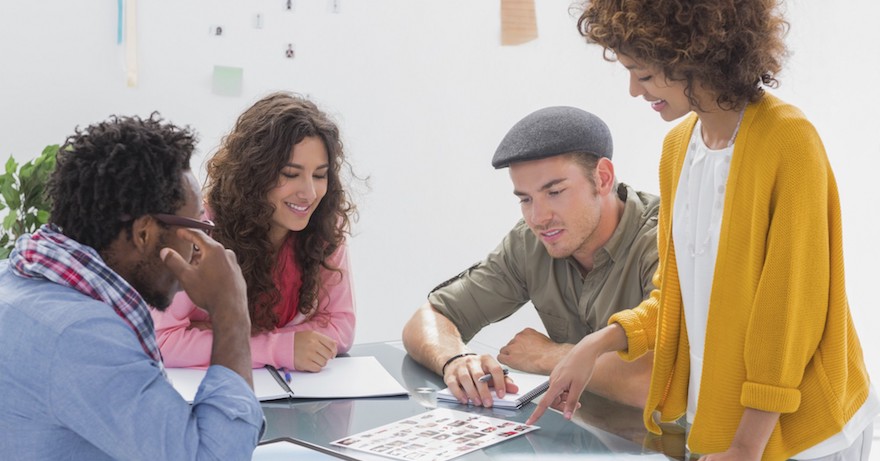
731 47
241 173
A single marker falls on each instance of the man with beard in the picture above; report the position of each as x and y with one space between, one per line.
81 373
585 249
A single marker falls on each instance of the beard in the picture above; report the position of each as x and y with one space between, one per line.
149 277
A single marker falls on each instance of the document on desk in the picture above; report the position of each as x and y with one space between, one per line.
437 435
530 386
342 378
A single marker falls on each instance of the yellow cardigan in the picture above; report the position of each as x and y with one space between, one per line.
779 335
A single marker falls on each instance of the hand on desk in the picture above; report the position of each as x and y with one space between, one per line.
312 350
533 352
462 377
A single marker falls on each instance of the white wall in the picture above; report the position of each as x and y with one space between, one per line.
423 93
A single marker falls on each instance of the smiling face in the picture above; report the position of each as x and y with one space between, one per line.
302 183
666 96
559 203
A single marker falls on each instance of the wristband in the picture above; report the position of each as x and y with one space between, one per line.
451 359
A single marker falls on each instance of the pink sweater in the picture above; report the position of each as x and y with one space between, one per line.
183 346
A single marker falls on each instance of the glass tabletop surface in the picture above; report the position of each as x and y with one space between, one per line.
600 427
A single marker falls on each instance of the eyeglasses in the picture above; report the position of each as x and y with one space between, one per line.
182 221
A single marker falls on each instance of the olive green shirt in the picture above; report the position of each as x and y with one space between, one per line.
570 305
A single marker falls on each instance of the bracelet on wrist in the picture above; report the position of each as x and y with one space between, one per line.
452 359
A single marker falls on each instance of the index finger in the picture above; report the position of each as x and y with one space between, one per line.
174 261
196 237
542 405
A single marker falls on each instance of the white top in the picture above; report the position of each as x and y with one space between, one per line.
696 227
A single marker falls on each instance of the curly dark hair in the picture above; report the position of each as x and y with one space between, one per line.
731 47
240 175
115 171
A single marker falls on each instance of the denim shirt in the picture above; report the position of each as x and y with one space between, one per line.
76 384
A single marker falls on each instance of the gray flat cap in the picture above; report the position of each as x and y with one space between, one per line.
553 131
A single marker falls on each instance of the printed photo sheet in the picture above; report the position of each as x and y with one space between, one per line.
436 435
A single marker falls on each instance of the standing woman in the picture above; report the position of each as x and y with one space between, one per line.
275 195
752 334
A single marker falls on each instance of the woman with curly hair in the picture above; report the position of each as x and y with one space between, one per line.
753 339
275 194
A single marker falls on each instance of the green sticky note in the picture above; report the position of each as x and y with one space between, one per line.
227 81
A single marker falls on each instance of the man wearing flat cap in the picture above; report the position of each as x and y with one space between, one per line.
585 249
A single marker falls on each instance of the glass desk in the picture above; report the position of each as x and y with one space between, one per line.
599 427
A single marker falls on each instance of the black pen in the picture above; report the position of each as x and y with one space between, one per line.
486 378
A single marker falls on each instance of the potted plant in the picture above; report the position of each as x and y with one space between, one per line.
23 195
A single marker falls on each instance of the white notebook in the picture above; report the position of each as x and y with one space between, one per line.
530 386
343 377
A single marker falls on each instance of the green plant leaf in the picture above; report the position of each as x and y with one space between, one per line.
10 195
6 178
31 223
23 193
33 196
10 220
11 165
26 171
6 246
50 151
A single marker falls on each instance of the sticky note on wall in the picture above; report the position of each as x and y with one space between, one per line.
227 81
518 24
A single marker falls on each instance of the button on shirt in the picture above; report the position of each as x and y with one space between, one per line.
569 304
696 226
76 384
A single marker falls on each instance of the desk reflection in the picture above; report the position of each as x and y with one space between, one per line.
308 420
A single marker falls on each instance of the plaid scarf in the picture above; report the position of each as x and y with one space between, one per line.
51 255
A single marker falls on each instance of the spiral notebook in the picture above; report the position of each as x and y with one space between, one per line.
530 386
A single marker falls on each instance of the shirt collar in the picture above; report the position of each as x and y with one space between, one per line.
618 245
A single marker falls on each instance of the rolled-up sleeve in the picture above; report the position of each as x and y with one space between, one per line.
484 293
223 400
